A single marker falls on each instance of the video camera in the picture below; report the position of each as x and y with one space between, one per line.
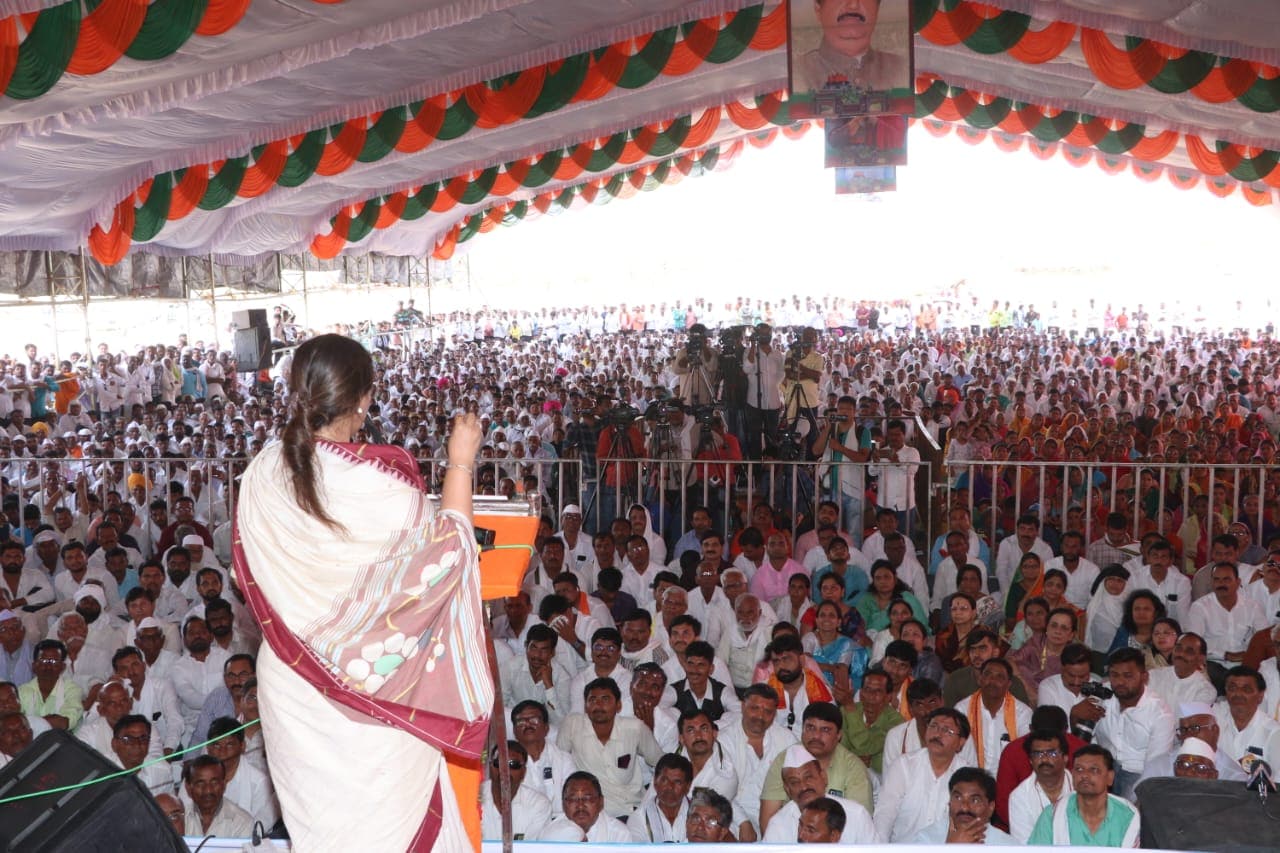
622 416
696 343
706 417
1099 693
659 409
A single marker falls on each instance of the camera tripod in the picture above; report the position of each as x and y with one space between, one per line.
620 441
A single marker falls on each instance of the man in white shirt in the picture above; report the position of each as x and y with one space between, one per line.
609 746
1247 734
746 642
752 742
578 553
805 781
1080 572
1226 619
21 588
1049 782
992 710
915 792
1025 539
548 765
585 817
944 580
1265 589
213 813
153 698
246 785
662 817
198 672
897 468
530 809
606 662
969 811
538 675
1185 681
905 565
1171 587
1136 725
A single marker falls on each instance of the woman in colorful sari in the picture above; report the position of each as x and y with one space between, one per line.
373 666
839 658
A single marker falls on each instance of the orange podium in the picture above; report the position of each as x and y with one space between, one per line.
514 524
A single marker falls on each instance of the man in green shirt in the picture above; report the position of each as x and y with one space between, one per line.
867 721
1090 817
846 775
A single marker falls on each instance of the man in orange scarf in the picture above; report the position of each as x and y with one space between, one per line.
995 717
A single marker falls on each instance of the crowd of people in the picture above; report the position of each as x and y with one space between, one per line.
705 649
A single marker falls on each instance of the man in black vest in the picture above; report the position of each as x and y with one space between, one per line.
698 690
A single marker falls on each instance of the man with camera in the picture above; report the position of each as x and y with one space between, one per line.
696 367
1136 725
764 369
620 440
803 370
837 443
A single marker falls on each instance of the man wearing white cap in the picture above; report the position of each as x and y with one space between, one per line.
45 554
1195 719
15 651
806 781
88 666
91 602
579 557
1195 760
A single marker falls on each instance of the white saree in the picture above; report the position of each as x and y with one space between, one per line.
391 667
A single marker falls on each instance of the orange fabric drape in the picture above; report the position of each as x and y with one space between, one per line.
105 34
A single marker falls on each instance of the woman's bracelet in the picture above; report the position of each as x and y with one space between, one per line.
466 468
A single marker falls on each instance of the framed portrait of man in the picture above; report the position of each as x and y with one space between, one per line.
850 57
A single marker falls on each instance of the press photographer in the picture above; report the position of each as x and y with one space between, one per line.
620 439
714 442
842 482
696 367
803 369
763 365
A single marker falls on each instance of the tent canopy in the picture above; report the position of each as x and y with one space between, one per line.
239 128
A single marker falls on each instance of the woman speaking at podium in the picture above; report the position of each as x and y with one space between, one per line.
373 668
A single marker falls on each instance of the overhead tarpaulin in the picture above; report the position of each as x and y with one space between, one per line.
261 275
310 263
376 268
24 274
138 276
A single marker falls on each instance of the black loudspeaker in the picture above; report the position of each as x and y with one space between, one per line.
253 317
252 348
116 816
252 345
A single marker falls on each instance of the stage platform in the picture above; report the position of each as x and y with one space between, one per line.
557 847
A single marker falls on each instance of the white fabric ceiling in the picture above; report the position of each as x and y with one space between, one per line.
69 157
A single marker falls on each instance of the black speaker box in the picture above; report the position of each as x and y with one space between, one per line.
252 348
250 318
116 816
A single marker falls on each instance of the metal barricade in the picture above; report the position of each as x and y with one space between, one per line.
1147 493
670 488
56 483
